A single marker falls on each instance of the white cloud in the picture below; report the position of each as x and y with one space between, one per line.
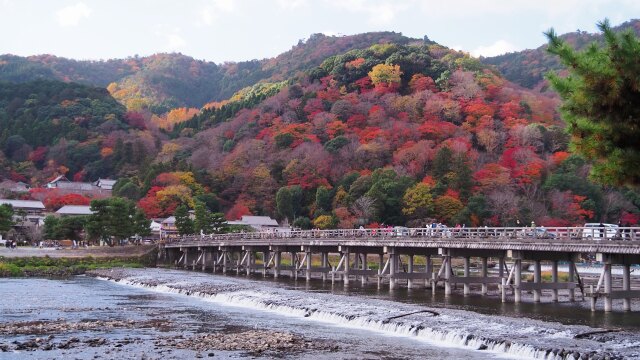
291 4
381 12
71 15
497 48
210 13
175 42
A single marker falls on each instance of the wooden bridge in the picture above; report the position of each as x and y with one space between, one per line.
395 251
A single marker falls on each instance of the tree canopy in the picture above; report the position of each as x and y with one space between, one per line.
116 219
6 217
601 96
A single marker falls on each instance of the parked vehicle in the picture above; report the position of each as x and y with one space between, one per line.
597 231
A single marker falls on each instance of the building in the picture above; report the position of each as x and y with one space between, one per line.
74 210
260 223
26 207
168 229
28 216
13 186
100 188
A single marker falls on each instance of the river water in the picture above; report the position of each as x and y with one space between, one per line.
363 322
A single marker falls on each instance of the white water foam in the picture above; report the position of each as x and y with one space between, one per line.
417 330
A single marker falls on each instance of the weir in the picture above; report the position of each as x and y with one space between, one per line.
422 256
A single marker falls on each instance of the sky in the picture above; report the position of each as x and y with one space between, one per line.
238 30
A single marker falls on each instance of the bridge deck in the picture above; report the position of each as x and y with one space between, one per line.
626 241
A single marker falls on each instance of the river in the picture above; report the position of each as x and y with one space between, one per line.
162 314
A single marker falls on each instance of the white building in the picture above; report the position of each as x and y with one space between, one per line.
74 210
259 223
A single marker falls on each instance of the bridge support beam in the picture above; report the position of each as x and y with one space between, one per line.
365 266
467 261
325 265
537 278
346 255
572 279
484 273
393 268
446 264
554 279
277 260
410 271
428 269
626 286
380 269
608 303
517 280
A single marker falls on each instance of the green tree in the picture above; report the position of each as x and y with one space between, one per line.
184 223
219 223
6 217
203 222
417 201
387 191
288 202
51 229
600 102
116 219
127 189
323 199
303 223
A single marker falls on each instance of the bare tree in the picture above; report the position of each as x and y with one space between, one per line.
364 208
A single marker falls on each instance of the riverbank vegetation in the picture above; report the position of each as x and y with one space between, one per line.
62 267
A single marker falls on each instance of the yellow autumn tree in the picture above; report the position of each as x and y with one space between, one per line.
417 201
385 74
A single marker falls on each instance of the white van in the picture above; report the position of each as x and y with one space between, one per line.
595 231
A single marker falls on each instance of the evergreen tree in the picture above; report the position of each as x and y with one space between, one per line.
116 219
204 220
219 223
600 102
183 221
6 217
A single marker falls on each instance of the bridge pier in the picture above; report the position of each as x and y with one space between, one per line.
626 286
325 265
484 273
554 279
380 269
365 266
277 261
410 271
572 279
517 280
537 279
446 264
428 270
393 267
345 256
467 261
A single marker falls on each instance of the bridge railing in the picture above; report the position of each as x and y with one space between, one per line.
551 234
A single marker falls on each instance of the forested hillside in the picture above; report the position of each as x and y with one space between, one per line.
338 132
51 127
163 82
528 67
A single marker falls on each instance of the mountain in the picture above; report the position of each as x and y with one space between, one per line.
528 67
162 82
337 132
